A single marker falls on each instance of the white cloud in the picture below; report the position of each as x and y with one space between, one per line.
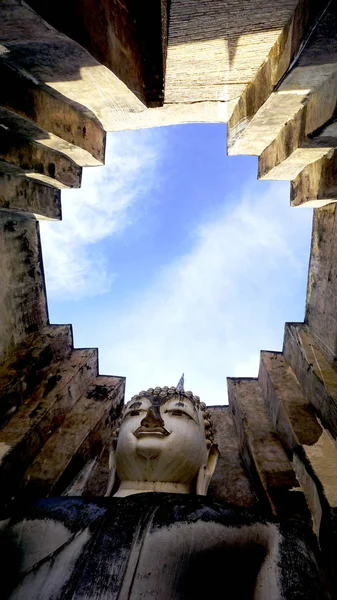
74 266
212 310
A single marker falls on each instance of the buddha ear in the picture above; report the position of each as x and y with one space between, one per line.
112 471
206 471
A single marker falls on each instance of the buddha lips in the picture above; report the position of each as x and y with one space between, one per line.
157 430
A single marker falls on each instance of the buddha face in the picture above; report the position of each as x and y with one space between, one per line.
161 440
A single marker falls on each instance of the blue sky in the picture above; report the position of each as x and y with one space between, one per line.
173 258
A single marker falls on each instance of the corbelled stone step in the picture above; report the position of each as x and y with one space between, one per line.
263 452
29 366
318 380
316 376
29 198
81 437
292 414
22 126
80 130
38 162
317 476
314 452
305 79
130 38
279 162
316 185
63 68
230 482
296 145
31 426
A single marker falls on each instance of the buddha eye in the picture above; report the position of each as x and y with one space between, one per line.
178 413
132 413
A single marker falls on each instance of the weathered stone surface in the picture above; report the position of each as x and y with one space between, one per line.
316 70
92 479
262 129
318 379
321 307
322 503
316 471
313 75
29 366
23 307
215 48
128 37
247 115
316 185
64 126
176 114
81 437
262 450
159 546
61 66
284 160
44 410
37 161
230 481
20 126
292 415
313 450
29 198
56 98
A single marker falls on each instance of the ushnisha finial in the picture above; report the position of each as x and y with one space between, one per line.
181 383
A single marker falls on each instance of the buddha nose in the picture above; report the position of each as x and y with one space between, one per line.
152 419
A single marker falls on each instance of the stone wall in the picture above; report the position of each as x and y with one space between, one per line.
271 69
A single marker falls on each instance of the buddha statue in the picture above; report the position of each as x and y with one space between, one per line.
155 536
165 443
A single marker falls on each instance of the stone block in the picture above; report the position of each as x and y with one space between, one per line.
230 482
296 144
288 156
216 48
313 450
31 426
292 414
23 306
38 162
272 473
307 95
30 198
321 303
321 498
61 66
64 125
254 111
127 37
95 476
315 374
29 366
316 185
81 437
18 125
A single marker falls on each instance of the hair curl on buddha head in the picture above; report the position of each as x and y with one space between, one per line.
165 393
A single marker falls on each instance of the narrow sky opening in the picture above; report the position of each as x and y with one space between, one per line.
173 258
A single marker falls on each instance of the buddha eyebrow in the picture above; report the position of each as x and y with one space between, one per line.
135 405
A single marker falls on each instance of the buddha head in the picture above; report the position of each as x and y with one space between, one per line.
165 443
